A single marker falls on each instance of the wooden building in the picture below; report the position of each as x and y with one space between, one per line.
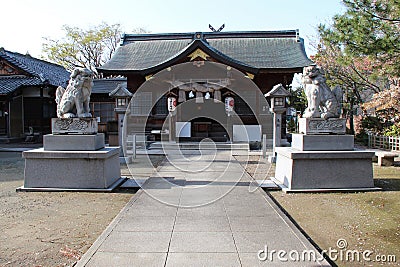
266 58
27 94
102 105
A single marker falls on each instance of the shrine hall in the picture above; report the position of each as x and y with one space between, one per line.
192 86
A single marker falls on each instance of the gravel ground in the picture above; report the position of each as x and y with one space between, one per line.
366 220
49 228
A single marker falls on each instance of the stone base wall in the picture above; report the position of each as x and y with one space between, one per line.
324 142
311 170
72 169
76 142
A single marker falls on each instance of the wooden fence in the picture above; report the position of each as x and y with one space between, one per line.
384 142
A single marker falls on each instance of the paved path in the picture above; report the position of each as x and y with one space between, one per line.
203 212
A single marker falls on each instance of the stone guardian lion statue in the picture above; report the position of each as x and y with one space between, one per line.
322 101
74 101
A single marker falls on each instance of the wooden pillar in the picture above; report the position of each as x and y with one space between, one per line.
41 110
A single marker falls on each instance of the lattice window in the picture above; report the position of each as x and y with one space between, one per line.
104 110
161 107
241 107
141 103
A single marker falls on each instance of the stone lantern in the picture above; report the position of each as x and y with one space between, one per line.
277 96
122 97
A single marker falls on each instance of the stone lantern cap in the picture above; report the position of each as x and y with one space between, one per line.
277 95
120 92
277 90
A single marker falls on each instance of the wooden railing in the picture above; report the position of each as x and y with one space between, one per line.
384 142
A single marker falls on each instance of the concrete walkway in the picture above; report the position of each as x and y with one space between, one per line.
199 210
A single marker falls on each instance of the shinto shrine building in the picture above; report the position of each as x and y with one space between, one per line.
264 58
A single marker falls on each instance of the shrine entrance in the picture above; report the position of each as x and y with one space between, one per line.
208 128
190 103
203 119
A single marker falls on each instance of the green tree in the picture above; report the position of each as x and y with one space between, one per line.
369 28
89 48
297 99
361 50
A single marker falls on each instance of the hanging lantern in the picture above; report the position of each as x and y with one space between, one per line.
229 104
171 103
217 96
182 96
199 97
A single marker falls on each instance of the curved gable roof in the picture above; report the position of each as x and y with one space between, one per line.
36 72
144 55
55 74
250 51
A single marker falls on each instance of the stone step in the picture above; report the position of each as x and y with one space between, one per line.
195 146
8 140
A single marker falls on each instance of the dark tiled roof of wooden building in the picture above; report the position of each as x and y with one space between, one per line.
33 72
253 50
106 86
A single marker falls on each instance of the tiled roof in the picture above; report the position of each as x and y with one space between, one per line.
120 91
257 50
10 83
264 52
39 72
105 86
145 54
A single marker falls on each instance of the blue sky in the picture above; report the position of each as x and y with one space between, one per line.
25 22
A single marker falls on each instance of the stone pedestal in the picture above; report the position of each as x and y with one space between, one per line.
79 142
323 163
321 126
315 142
64 170
74 126
323 170
72 161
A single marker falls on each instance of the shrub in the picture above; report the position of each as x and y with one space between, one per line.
393 130
371 123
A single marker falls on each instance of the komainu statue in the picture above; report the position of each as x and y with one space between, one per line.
74 101
322 101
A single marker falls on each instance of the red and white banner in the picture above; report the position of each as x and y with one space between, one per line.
171 103
229 104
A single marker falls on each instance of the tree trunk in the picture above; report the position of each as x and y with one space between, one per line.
351 117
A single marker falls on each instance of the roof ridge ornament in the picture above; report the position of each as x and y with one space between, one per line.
214 30
297 35
198 53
